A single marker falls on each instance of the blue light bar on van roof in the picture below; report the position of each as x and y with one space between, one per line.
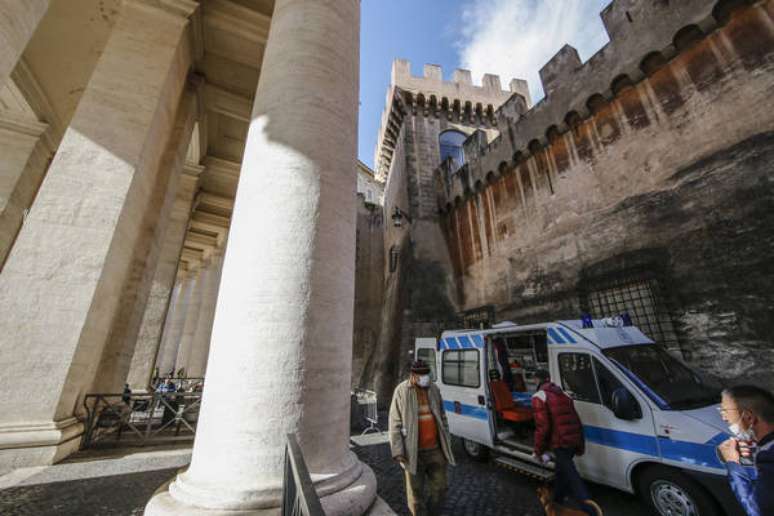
587 321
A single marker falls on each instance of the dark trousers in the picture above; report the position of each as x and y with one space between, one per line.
425 491
568 483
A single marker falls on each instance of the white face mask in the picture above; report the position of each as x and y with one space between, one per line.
424 381
740 433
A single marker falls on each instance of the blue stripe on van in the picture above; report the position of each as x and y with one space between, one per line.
474 411
692 453
554 337
566 334
645 444
698 454
464 342
478 341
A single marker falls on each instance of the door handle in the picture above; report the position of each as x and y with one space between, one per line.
481 400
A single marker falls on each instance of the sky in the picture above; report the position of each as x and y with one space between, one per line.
509 38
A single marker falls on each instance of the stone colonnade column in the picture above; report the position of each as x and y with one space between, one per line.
24 154
119 349
281 350
163 294
173 325
18 21
200 347
198 279
60 287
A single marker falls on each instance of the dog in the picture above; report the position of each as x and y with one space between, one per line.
545 495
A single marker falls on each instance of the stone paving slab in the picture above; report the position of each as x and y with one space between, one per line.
100 483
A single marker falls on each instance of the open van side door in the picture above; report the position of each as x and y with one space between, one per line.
427 349
462 378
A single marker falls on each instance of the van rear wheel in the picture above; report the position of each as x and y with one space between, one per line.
475 450
671 493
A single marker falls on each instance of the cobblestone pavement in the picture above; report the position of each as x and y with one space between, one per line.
482 488
120 482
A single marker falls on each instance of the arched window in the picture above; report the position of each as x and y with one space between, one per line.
451 147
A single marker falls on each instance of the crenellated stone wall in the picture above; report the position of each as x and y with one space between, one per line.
650 162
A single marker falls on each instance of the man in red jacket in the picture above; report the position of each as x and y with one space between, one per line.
558 429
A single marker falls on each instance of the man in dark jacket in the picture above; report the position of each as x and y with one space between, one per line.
749 411
558 429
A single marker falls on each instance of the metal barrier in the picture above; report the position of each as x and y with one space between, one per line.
298 495
366 400
184 383
143 417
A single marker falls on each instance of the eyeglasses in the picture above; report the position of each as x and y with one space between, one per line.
724 410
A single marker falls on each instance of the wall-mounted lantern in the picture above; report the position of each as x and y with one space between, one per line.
397 217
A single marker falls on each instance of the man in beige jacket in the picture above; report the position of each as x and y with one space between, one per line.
419 439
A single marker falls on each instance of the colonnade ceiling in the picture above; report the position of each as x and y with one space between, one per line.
228 38
233 38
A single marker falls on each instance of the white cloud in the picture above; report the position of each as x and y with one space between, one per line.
515 38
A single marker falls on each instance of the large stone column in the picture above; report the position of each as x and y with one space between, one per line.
197 361
24 153
198 279
18 21
119 349
60 287
281 349
173 325
162 296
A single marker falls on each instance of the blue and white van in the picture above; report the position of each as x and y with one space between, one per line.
651 423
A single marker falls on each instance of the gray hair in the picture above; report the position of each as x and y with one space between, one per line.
758 401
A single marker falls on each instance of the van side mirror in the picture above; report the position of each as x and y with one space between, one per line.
624 405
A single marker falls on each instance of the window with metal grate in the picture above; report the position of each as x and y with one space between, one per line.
643 300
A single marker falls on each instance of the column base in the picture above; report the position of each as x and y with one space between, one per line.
24 445
353 500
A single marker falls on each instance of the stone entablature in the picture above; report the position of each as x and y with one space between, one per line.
458 99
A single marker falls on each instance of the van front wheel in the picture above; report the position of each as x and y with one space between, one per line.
475 450
671 493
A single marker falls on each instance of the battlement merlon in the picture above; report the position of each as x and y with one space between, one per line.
460 88
559 69
631 25
521 87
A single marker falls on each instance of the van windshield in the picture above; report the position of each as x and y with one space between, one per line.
666 380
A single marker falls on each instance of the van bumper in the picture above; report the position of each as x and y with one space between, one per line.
718 486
